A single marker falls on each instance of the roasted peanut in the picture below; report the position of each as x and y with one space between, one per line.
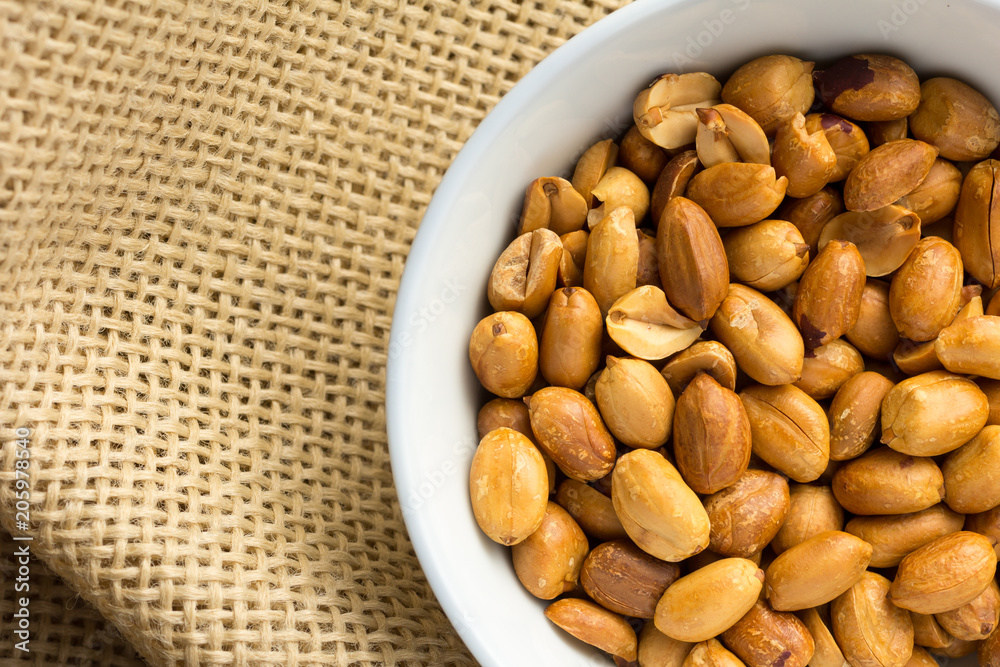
503 350
766 255
895 536
926 291
691 258
762 338
932 413
854 415
574 258
524 276
658 510
790 430
971 346
884 237
810 214
635 402
711 653
869 87
592 165
803 156
618 187
927 632
826 368
827 653
944 574
648 271
767 638
747 515
957 119
508 485
870 630
883 481
548 561
977 223
625 579
641 156
507 412
816 571
612 258
735 194
552 203
658 650
665 111
771 89
883 131
971 471
569 429
570 347
646 326
710 600
672 182
874 333
828 300
974 620
594 625
936 195
711 435
847 140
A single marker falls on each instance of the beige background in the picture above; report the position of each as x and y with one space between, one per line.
205 208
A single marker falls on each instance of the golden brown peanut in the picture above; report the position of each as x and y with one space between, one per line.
971 473
691 259
591 509
937 194
803 156
957 119
987 524
883 131
761 337
646 326
735 194
570 348
548 561
771 89
977 223
658 650
673 182
988 650
816 571
944 574
883 481
552 203
847 140
992 390
974 620
648 272
707 356
709 601
874 334
790 430
742 133
507 412
828 300
508 486
641 156
618 187
957 648
928 633
665 111
869 87
895 536
916 358
921 658
810 214
854 415
884 237
594 625
887 173
826 368
933 413
661 514
711 435
635 402
747 515
569 429
592 165
812 510
766 255
870 630
503 350
624 579
971 346
712 140
926 291
612 258
712 654
827 653
574 258
524 276
767 638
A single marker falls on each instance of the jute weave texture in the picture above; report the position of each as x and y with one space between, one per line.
205 208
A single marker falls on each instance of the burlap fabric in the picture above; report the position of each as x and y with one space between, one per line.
206 207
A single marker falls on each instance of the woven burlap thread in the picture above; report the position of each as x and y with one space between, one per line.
205 208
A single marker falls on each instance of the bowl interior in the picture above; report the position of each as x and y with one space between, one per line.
581 93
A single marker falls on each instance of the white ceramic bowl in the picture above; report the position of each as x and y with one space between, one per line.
581 93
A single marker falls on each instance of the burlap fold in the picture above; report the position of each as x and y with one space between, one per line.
205 208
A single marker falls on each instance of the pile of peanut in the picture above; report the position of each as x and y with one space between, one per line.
747 396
